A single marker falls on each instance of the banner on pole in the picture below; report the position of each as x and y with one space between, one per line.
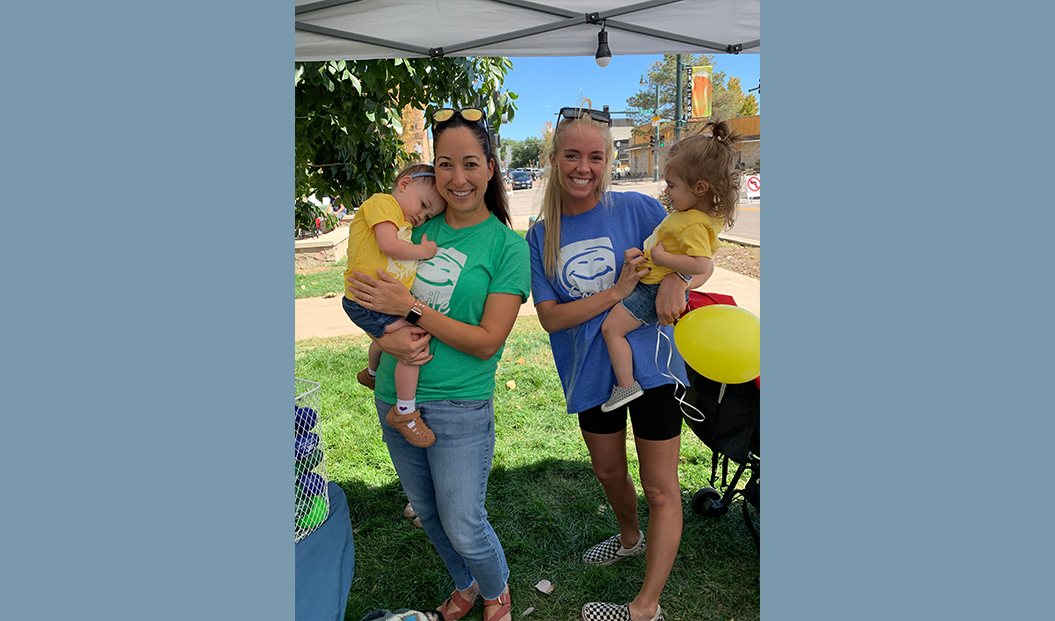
701 91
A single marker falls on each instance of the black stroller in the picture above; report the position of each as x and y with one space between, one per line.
730 428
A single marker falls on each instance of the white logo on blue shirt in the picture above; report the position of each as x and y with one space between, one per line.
587 266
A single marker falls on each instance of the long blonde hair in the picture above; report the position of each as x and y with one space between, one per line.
553 196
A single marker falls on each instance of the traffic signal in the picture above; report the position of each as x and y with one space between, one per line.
652 141
661 141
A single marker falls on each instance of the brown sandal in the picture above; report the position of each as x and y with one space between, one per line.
412 427
456 599
505 610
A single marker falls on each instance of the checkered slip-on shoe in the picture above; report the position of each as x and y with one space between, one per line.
599 611
610 551
622 396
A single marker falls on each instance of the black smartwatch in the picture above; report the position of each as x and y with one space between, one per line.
415 313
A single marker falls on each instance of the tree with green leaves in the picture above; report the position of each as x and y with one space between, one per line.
727 99
526 154
349 117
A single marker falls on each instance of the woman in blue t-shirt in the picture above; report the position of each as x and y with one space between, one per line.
467 298
585 258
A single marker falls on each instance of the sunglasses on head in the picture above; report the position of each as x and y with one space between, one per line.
578 113
473 115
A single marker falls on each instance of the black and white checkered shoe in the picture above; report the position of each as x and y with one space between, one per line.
610 551
599 611
622 396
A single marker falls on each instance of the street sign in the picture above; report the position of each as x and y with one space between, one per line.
754 187
655 121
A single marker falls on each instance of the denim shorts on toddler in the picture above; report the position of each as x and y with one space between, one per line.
371 322
641 304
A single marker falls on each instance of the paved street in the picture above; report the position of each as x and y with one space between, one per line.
748 221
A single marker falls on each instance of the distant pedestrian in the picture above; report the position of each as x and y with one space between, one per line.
339 211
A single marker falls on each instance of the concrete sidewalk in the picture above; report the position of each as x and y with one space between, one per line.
321 317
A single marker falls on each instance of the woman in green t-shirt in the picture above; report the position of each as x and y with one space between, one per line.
463 303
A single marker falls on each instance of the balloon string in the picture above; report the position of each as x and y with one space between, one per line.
684 390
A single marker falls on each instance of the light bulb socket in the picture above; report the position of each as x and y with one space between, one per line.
604 54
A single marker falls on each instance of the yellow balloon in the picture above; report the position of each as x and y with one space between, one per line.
721 343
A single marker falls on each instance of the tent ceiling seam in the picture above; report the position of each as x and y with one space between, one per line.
670 36
571 19
323 4
352 36
516 34
559 12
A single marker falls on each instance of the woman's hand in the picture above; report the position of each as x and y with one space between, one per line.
408 345
628 278
670 301
384 294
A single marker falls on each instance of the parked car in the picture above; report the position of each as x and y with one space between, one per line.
521 179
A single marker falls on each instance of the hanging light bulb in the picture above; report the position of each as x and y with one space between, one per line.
604 55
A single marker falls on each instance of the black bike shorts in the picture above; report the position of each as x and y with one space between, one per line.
655 415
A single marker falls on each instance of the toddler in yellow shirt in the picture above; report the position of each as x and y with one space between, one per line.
379 237
703 188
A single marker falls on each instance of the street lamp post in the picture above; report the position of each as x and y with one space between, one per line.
655 165
677 100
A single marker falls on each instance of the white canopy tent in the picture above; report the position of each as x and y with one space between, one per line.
363 29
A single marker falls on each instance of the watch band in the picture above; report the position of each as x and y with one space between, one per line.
414 315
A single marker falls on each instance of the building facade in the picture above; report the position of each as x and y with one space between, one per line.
644 161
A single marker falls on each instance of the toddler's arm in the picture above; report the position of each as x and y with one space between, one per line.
680 262
391 245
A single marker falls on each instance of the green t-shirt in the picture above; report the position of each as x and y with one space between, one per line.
470 263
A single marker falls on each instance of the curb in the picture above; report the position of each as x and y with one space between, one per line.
741 241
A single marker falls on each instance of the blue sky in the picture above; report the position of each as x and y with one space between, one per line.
545 85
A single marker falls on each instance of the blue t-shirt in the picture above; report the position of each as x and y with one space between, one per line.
591 257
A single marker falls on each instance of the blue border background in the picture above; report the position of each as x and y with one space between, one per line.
152 365
905 336
906 294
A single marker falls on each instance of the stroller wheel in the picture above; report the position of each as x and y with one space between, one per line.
707 502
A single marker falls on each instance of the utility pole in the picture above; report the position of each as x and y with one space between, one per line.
677 102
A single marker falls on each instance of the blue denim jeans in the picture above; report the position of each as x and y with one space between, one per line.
446 484
641 304
371 322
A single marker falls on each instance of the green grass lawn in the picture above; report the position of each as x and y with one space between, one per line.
543 501
319 283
